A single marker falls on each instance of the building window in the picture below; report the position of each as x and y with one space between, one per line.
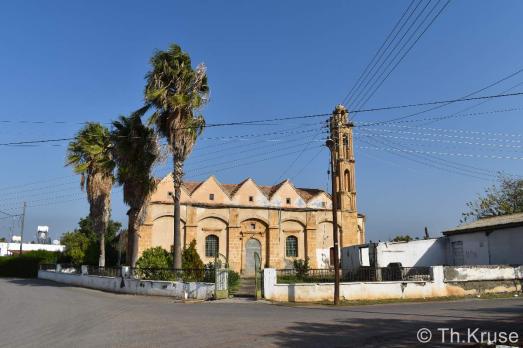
347 181
291 246
253 226
211 197
211 246
251 199
323 204
288 200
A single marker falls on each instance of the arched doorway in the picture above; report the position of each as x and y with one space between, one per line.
251 247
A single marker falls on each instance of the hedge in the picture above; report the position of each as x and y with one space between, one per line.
26 265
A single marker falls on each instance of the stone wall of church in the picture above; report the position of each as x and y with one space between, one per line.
236 226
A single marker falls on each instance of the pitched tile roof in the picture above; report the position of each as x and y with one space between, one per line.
231 189
489 223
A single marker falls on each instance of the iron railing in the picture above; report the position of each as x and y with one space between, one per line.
194 275
364 274
104 271
70 268
47 267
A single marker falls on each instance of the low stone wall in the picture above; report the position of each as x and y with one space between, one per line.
468 284
178 290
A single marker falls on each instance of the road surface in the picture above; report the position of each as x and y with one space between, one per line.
36 313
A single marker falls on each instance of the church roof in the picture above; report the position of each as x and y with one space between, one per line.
305 193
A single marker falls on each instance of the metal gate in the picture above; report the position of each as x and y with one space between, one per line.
221 279
258 277
252 247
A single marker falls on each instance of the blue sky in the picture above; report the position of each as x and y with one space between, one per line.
85 61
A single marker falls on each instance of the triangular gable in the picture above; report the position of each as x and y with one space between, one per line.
163 187
248 188
211 186
284 190
318 200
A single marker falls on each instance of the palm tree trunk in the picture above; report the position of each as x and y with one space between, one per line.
101 260
177 181
132 238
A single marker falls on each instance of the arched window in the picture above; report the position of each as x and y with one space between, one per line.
291 246
346 180
211 245
346 146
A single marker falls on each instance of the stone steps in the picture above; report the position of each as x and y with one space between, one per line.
247 288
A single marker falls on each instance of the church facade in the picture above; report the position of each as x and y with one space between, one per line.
281 223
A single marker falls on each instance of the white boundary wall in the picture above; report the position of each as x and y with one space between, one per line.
178 290
475 282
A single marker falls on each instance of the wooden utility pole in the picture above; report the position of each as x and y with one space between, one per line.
331 144
22 228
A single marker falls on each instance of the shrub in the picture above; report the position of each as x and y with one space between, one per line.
234 280
26 265
155 264
192 264
302 268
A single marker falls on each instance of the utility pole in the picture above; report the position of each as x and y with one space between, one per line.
332 147
22 228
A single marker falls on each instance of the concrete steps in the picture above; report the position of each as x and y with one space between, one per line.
247 288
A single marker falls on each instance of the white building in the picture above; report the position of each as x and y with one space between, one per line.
490 241
416 253
14 248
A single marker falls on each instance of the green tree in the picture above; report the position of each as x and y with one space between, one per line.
76 246
176 92
90 156
502 199
135 152
190 257
2 240
81 245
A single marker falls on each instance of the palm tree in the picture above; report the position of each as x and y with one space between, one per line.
135 152
176 91
90 156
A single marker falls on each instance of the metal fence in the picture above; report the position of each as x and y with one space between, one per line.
207 275
364 274
187 275
104 271
70 268
47 267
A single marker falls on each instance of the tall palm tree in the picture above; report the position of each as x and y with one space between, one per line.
176 91
90 156
135 152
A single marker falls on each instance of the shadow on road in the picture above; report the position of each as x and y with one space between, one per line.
36 282
393 332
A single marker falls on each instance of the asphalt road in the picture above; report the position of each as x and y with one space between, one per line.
36 313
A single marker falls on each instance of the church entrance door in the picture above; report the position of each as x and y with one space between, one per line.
252 246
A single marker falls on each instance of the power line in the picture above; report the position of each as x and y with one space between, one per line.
448 102
443 165
436 118
359 94
434 103
406 52
366 71
453 136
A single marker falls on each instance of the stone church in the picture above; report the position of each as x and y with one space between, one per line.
281 223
